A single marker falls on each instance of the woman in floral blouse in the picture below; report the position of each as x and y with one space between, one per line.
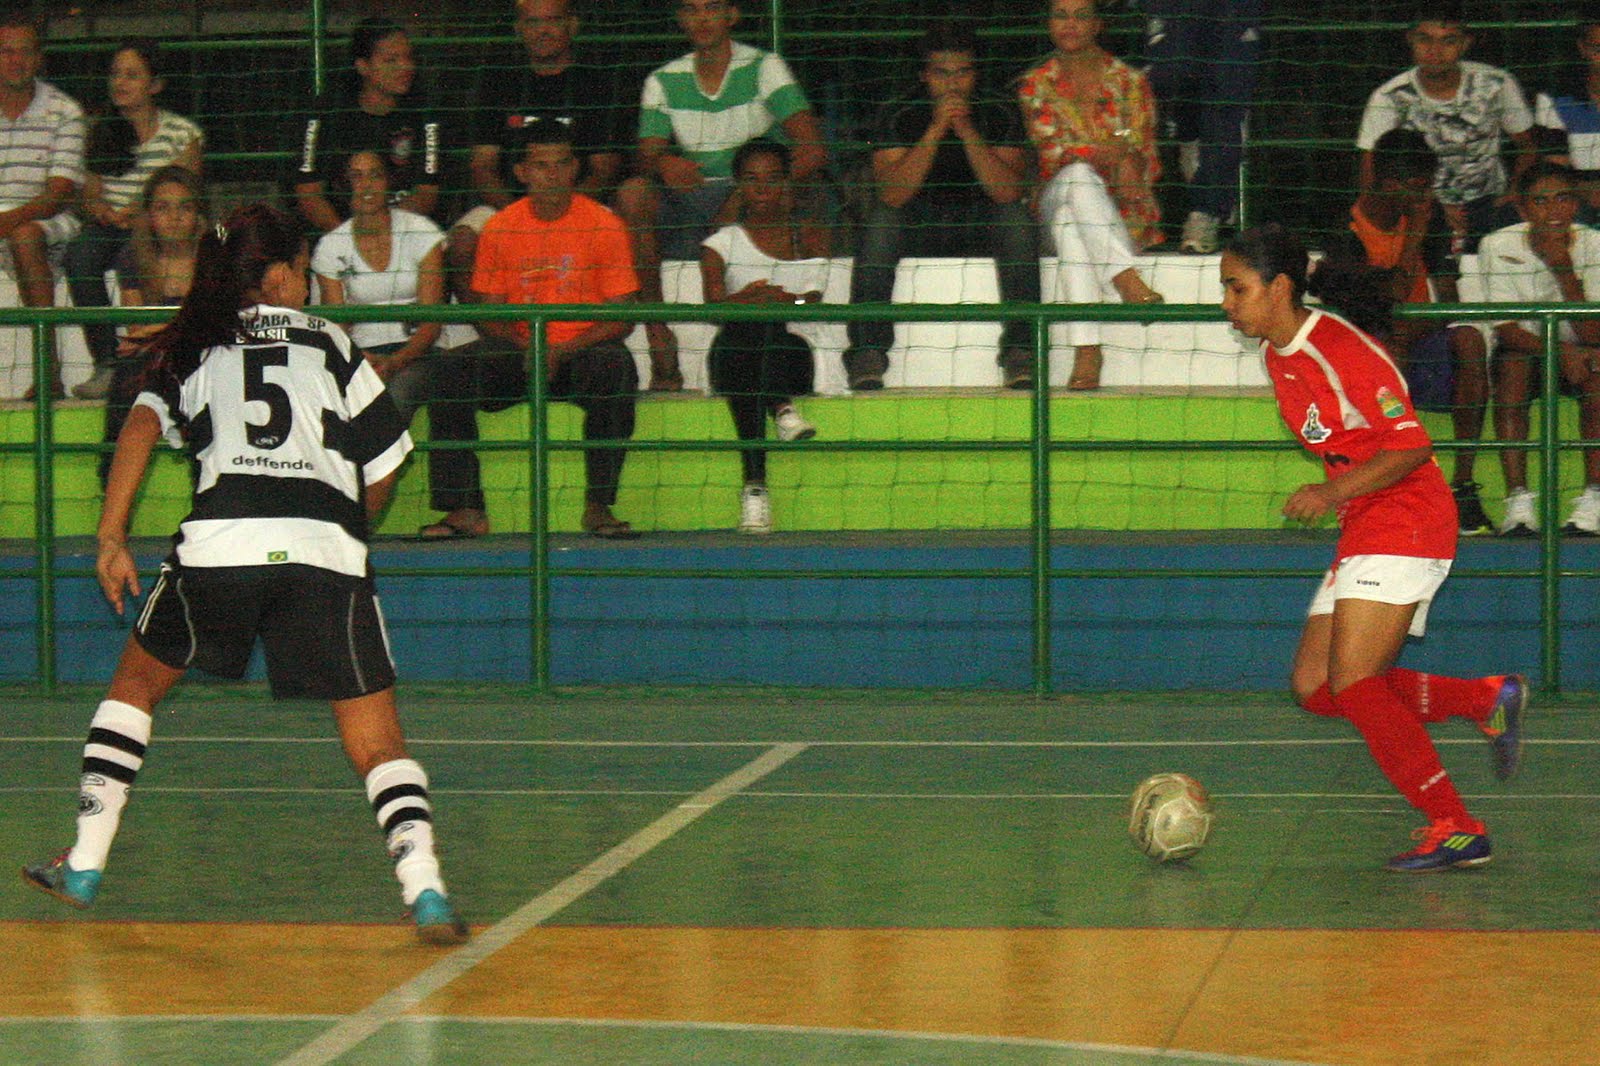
1091 118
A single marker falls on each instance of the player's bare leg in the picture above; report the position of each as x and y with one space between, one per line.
397 788
112 757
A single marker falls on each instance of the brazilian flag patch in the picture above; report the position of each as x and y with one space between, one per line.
277 557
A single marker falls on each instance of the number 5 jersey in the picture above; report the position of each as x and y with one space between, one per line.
287 426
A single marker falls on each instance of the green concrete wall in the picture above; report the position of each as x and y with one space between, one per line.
1198 489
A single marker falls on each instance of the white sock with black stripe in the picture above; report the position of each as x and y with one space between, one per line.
112 757
398 790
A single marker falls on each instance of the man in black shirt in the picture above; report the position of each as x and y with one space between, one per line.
950 170
551 85
377 118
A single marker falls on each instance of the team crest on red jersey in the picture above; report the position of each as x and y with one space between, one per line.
1312 430
1389 403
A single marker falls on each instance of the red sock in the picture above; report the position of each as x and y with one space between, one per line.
1400 746
1436 698
1321 702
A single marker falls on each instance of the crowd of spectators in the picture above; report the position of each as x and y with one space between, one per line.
579 186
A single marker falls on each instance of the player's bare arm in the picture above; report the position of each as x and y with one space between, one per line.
377 495
114 566
1310 503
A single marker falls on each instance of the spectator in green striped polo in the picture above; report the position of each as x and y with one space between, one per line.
694 114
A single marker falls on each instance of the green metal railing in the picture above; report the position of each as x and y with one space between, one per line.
1039 446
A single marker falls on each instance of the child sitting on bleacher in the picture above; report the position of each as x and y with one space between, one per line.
1546 258
1396 224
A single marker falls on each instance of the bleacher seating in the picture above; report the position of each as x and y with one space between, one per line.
962 354
16 345
925 354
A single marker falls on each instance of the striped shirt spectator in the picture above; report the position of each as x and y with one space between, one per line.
129 142
758 93
694 114
174 134
41 167
45 142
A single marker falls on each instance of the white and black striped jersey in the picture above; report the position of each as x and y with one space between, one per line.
287 426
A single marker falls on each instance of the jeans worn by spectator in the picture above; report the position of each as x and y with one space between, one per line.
1203 58
86 258
1004 232
491 375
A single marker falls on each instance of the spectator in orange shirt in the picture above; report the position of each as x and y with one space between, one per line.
1398 225
553 246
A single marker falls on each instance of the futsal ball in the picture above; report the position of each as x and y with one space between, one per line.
1171 817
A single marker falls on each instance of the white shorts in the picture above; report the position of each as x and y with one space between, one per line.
1385 578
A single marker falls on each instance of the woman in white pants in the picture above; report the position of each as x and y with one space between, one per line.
1091 118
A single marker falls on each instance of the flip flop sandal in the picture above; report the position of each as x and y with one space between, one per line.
614 531
447 531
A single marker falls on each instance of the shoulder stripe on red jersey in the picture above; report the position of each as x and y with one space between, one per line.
1350 417
1380 351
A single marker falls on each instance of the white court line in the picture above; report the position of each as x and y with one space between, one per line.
909 1035
356 1028
158 1019
466 742
625 793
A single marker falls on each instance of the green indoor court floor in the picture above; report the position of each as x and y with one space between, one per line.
750 876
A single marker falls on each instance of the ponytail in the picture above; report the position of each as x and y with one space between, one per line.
1353 289
1357 290
1271 250
229 265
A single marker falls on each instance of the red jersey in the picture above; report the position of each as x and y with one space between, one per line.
1343 397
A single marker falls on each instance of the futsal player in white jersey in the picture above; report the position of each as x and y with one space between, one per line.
298 447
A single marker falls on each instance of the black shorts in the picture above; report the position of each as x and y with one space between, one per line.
323 632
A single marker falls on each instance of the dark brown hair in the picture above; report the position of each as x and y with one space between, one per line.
232 261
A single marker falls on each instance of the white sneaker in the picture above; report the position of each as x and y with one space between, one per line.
1521 518
97 387
791 426
1585 517
1200 233
755 510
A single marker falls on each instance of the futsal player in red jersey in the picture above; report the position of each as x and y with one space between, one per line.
1342 396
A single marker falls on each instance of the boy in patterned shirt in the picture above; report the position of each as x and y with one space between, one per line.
1464 109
